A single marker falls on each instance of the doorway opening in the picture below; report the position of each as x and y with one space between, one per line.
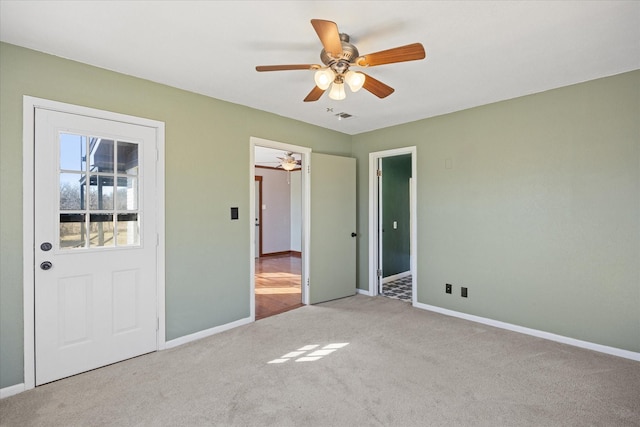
392 249
279 257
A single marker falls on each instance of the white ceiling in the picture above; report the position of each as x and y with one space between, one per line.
478 52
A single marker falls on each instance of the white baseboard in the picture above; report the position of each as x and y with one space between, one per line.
206 333
534 332
11 390
396 277
363 292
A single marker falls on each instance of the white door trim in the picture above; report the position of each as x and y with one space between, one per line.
306 215
28 126
373 217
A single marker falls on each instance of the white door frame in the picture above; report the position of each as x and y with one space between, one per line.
306 215
28 126
374 248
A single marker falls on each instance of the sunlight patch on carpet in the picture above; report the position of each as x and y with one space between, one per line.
312 356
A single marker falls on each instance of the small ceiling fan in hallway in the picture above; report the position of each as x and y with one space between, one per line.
339 55
288 162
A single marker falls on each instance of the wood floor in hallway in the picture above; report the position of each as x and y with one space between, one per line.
278 285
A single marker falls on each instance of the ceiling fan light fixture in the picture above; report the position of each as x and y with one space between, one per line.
324 77
355 80
289 166
288 162
337 92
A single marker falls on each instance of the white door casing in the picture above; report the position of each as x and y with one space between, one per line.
375 213
102 299
327 273
305 153
333 225
379 230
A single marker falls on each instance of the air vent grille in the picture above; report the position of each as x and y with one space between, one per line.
341 116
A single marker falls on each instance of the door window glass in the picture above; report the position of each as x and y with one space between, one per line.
101 230
72 191
127 196
100 192
73 152
102 154
128 229
99 197
72 231
127 158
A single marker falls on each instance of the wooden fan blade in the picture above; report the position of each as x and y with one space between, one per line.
287 67
314 95
376 87
410 52
329 36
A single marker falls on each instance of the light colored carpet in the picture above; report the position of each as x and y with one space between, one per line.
402 367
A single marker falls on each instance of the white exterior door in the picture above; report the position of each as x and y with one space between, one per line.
95 243
333 221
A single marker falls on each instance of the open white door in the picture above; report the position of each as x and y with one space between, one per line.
95 231
333 227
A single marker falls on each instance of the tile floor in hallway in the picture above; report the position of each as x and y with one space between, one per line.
398 289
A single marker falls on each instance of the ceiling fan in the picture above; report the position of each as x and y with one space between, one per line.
339 55
288 162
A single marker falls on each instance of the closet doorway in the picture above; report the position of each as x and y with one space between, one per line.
278 231
392 249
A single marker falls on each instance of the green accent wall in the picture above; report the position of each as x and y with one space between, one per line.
538 213
207 254
396 250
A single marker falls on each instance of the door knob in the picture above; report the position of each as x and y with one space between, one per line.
46 265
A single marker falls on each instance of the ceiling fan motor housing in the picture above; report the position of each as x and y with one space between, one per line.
340 64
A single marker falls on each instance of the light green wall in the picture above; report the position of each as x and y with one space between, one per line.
539 215
207 255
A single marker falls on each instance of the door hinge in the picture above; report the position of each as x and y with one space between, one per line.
157 323
308 168
379 273
308 282
379 173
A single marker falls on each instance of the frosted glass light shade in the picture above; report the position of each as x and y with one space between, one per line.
337 92
355 80
289 166
324 77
